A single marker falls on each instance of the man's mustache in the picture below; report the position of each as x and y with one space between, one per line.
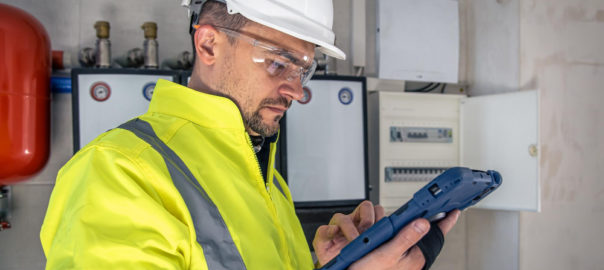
276 101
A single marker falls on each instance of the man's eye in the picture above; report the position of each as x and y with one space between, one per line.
275 66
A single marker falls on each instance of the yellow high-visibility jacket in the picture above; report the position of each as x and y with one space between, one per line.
178 188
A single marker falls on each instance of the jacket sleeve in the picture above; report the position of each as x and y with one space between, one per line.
104 214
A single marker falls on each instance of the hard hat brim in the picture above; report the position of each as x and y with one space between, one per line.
332 51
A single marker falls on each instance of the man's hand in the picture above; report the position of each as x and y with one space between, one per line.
330 239
398 253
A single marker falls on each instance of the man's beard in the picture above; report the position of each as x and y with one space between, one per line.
253 120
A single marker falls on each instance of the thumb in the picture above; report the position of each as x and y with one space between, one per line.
408 236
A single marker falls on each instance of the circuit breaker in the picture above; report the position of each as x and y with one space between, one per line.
421 135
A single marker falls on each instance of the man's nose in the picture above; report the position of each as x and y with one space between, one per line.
292 90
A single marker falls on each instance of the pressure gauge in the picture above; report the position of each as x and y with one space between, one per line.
100 91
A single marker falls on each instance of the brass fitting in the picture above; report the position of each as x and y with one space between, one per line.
102 29
150 29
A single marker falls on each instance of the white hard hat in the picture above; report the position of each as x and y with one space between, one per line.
309 20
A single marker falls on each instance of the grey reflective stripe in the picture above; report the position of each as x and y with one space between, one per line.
276 183
212 233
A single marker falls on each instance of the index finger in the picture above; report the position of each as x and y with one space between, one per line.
364 216
346 226
379 212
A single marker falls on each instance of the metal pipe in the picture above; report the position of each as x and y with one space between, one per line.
150 46
183 60
103 45
132 59
86 57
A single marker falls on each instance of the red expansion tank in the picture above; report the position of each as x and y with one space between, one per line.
24 95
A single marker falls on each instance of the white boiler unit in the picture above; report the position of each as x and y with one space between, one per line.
324 140
105 98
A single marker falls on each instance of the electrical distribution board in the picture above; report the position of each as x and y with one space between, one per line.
418 140
421 135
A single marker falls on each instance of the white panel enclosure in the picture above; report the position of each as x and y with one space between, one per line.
413 164
119 97
497 132
326 143
418 40
500 132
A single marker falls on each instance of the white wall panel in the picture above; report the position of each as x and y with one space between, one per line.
326 143
126 99
418 40
493 46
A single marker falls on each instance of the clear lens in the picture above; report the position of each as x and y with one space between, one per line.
277 65
277 61
309 72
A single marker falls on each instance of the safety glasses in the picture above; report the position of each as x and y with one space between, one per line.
278 61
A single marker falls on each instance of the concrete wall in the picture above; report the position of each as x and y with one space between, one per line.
556 47
20 246
70 23
492 44
562 53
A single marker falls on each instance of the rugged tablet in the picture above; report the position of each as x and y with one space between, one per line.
456 188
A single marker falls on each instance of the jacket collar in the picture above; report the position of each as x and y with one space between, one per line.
200 108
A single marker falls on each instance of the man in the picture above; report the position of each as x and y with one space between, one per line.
190 184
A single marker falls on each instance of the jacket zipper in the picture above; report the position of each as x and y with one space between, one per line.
249 141
272 205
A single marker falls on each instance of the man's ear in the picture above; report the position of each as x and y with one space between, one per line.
205 44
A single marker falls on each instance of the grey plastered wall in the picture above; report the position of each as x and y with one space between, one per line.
20 246
556 47
562 54
70 23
